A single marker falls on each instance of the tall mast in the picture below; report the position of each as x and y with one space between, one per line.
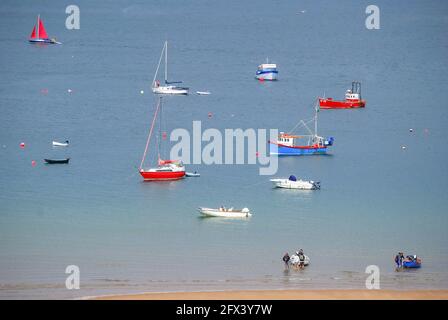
316 110
150 133
166 61
158 66
38 19
159 135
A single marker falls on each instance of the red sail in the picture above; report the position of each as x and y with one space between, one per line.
42 33
33 34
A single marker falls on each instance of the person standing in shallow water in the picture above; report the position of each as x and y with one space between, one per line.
286 259
301 259
399 260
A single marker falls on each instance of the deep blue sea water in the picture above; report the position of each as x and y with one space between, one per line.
129 236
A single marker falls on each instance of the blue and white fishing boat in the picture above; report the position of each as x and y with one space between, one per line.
287 144
267 71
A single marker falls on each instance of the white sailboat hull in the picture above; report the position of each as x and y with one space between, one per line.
173 90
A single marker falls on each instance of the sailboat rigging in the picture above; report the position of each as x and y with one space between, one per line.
39 34
167 87
165 169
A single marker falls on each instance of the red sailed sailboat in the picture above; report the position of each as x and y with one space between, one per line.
352 99
165 169
39 34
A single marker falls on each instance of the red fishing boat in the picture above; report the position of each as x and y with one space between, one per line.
39 34
165 169
352 99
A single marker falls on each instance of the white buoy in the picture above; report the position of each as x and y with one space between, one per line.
69 90
403 147
411 130
142 92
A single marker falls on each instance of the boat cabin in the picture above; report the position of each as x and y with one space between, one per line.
267 66
286 139
355 92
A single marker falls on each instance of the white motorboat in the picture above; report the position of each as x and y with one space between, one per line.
60 144
267 71
293 183
295 260
167 88
225 213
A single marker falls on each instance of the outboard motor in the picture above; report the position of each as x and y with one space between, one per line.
329 142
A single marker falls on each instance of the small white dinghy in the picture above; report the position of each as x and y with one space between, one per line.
225 213
295 260
203 93
293 183
193 174
60 144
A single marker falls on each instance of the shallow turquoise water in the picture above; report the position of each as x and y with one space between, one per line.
130 236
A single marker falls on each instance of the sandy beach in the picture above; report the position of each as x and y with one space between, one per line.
289 295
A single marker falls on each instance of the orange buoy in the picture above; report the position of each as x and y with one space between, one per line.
33 163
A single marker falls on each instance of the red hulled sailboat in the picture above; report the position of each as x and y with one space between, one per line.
39 34
165 169
352 99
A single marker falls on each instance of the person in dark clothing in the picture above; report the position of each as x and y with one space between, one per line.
301 259
286 259
399 260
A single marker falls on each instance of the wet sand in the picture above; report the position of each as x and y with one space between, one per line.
289 295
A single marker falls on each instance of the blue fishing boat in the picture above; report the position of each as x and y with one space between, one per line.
267 71
288 144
